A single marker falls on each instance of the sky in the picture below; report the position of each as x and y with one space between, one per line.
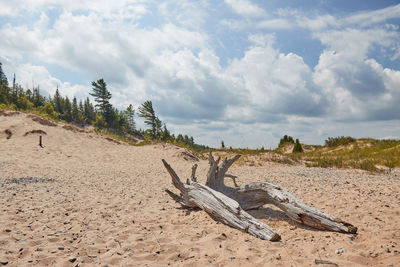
243 71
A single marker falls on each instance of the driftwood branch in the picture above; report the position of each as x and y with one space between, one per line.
40 141
229 204
218 206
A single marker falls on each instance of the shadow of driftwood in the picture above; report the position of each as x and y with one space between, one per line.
268 213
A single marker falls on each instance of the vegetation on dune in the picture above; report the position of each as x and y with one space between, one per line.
297 148
341 152
366 154
286 139
339 141
107 120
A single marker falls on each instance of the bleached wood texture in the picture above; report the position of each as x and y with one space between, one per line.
229 204
255 195
219 206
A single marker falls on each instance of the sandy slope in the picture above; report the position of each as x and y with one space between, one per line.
95 202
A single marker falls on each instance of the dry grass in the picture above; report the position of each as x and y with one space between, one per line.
366 154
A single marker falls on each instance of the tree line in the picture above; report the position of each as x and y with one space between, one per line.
102 114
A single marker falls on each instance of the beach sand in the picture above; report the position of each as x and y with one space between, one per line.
83 200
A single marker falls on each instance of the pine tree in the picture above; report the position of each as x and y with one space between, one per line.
89 113
297 147
179 139
29 95
75 111
102 96
4 90
286 139
147 112
58 102
166 135
38 99
67 110
129 114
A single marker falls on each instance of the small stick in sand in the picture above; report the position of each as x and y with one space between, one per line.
40 141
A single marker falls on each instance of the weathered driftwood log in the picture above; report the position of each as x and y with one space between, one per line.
228 204
219 206
255 195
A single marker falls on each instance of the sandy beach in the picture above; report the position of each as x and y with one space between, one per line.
83 200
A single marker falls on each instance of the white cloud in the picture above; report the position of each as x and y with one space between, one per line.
123 9
358 87
245 8
185 13
317 23
367 18
173 63
31 76
274 83
359 19
274 24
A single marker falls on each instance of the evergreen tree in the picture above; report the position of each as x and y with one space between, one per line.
129 114
3 77
186 139
75 111
67 116
286 139
222 144
22 101
297 147
147 112
179 139
4 90
166 135
102 96
80 108
58 102
89 113
29 95
38 99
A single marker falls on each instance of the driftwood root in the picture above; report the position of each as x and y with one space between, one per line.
229 204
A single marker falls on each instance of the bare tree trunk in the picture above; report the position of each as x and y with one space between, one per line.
229 204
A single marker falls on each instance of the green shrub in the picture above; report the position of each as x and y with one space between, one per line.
339 141
297 147
286 139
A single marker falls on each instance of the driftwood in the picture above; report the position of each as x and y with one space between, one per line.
40 141
228 204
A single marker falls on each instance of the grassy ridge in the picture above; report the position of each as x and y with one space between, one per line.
340 152
366 154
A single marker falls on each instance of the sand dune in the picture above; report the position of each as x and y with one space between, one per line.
83 200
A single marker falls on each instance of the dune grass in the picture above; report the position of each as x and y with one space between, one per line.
367 154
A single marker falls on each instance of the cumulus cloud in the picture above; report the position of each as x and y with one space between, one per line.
275 83
357 85
123 9
173 62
